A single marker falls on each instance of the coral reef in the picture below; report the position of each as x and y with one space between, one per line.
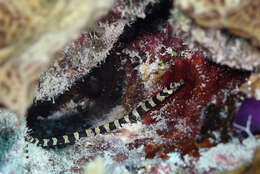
92 48
128 56
221 46
31 32
240 17
205 82
234 18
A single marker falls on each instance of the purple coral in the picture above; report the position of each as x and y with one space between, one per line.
249 108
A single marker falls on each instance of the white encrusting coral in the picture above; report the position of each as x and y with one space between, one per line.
74 63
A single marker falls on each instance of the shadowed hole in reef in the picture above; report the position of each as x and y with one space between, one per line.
96 93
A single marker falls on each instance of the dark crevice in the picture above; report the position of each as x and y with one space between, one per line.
101 90
156 17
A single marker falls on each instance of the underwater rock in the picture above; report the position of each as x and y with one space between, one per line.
31 32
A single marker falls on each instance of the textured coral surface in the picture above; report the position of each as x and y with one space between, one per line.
205 82
31 32
89 50
208 26
192 119
240 17
144 50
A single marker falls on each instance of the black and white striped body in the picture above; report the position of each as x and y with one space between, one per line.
135 115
